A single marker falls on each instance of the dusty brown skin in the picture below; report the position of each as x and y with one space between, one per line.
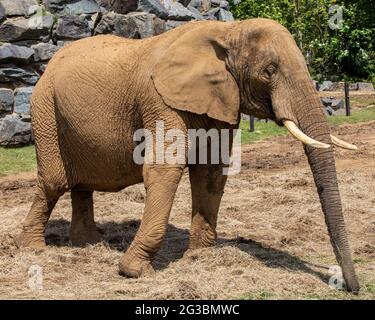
96 92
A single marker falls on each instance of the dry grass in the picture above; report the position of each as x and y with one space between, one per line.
272 244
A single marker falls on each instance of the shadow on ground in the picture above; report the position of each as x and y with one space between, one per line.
119 236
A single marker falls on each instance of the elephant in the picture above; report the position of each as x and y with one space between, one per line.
97 92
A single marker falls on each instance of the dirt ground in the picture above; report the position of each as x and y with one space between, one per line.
272 240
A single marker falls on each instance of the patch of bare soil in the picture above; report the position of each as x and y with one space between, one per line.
272 240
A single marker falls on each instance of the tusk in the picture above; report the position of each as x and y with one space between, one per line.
342 144
299 135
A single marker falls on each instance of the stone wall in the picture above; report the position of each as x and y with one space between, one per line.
31 31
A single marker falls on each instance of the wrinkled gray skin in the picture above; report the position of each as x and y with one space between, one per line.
96 92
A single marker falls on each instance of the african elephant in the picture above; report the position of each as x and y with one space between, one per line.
96 92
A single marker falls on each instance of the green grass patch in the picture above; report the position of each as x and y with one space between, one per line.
268 130
13 160
370 288
262 131
357 116
360 261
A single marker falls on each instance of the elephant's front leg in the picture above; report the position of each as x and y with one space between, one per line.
161 183
207 187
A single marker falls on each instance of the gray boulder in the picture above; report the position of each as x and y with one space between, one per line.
6 100
224 15
81 7
171 24
337 104
54 5
353 86
34 28
134 25
365 86
329 111
22 100
225 5
333 104
2 13
19 7
94 20
42 68
119 6
337 86
211 14
72 27
221 3
184 2
196 13
12 53
176 11
195 3
325 86
153 6
26 43
201 5
71 7
17 75
14 131
44 51
326 101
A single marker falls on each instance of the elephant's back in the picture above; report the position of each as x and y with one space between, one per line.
91 47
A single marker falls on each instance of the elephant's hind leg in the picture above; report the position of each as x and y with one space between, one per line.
207 186
83 229
35 223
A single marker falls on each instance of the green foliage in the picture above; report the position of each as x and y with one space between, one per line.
347 53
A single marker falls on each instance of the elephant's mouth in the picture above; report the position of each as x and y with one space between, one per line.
264 110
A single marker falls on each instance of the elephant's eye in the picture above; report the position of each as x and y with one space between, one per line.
269 71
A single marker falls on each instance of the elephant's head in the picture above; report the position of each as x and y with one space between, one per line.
255 67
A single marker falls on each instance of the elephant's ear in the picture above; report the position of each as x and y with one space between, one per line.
192 76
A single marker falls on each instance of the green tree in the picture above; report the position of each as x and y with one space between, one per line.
344 53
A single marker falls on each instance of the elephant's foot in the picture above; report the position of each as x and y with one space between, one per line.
206 237
31 240
80 237
134 267
200 243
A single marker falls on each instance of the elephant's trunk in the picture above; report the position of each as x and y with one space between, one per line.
311 121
